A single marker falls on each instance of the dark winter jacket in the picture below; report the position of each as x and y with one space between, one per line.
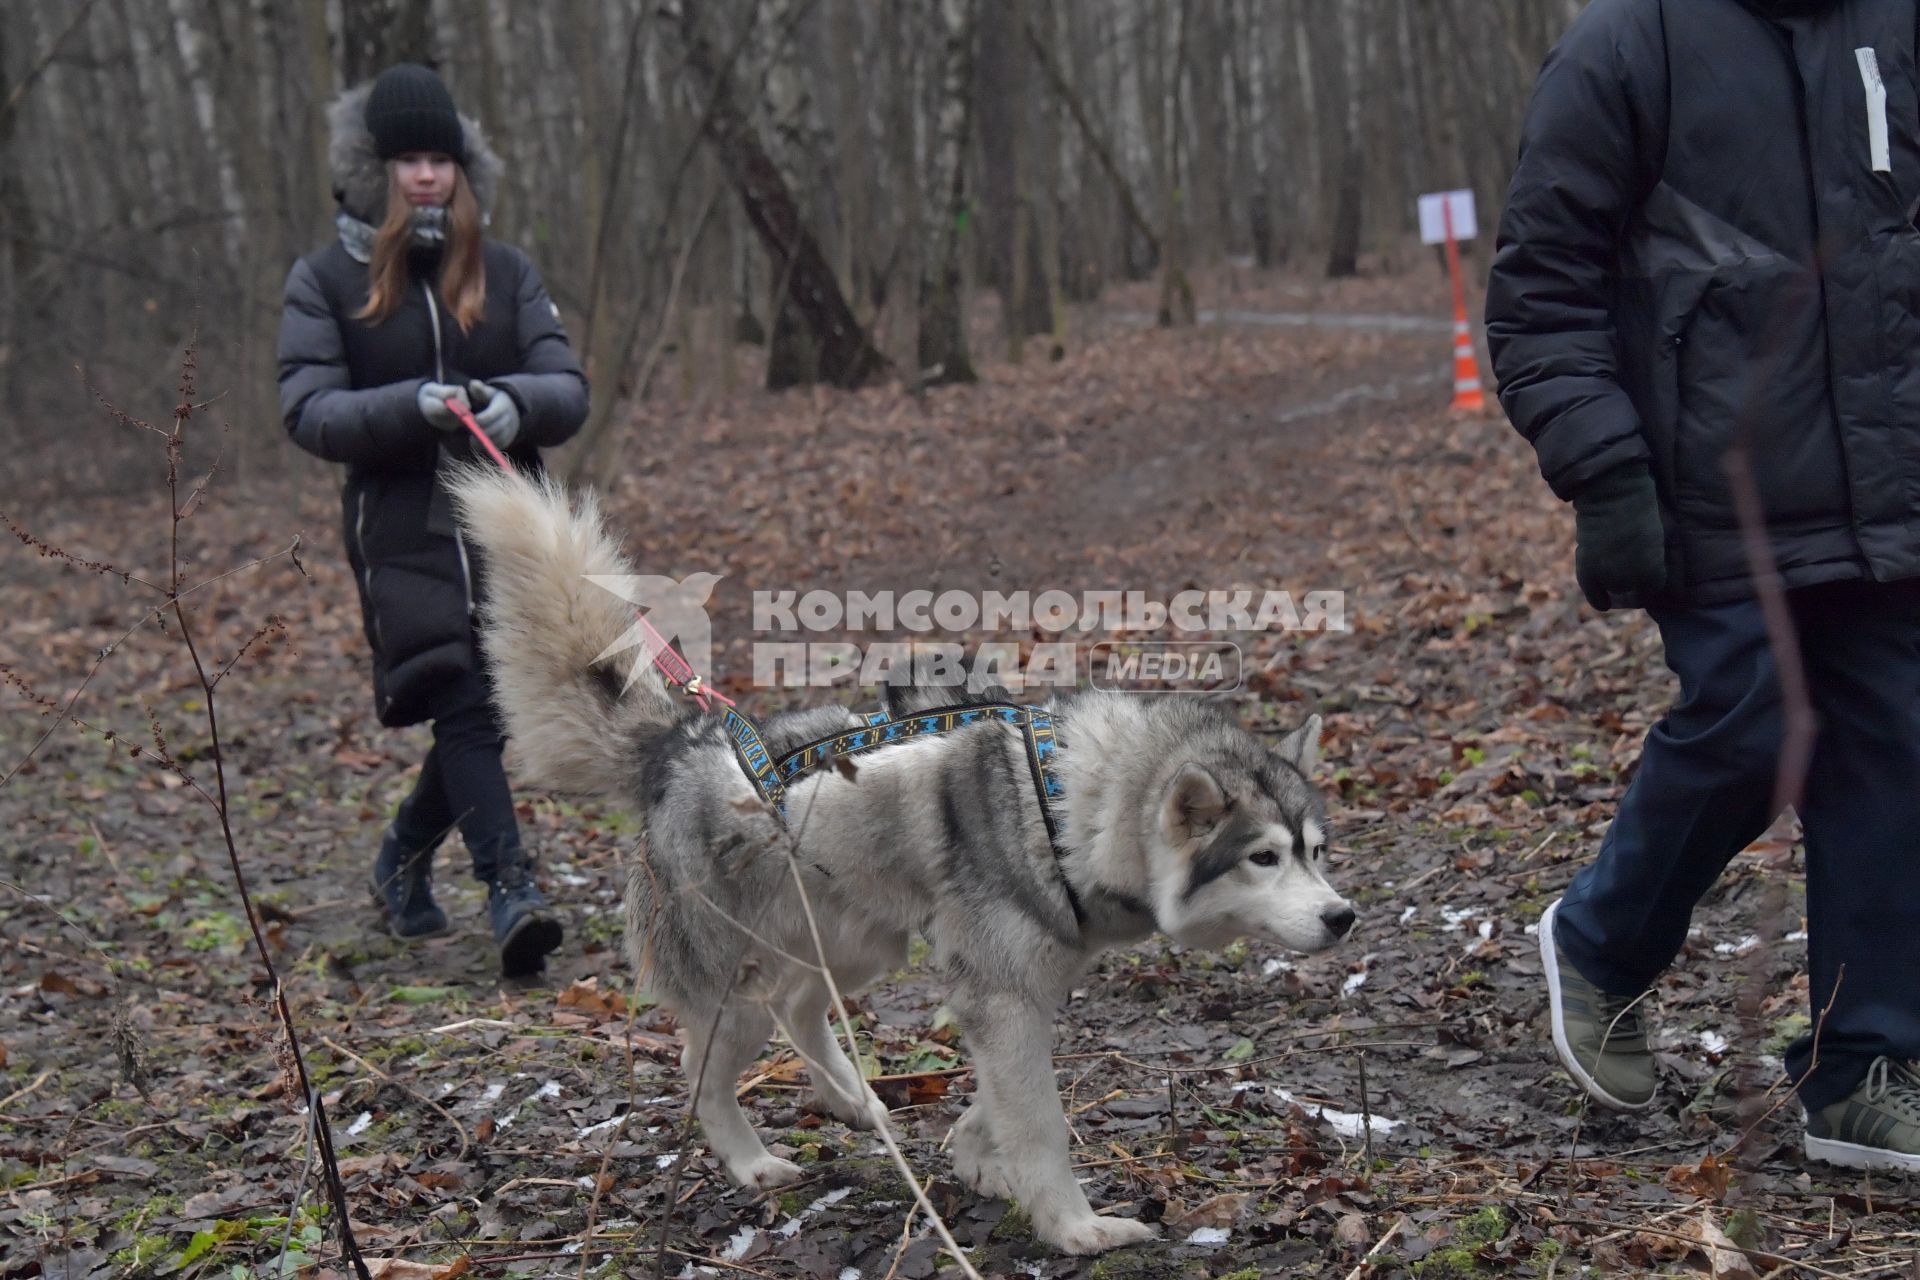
347 390
1695 245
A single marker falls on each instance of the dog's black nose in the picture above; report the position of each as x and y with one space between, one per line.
1338 920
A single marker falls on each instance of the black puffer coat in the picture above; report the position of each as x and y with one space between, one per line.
1693 242
347 390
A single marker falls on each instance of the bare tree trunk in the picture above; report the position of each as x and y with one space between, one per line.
1004 123
1176 294
16 223
1095 143
375 34
1343 259
792 356
1311 177
943 355
847 357
1253 129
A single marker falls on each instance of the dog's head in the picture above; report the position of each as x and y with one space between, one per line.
1245 836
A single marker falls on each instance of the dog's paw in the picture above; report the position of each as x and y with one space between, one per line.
977 1167
866 1112
1097 1234
766 1173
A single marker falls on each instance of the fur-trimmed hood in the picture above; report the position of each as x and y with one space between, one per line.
359 176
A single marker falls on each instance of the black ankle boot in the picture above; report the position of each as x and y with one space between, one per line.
522 927
403 884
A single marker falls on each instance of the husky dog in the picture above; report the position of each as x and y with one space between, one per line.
1172 817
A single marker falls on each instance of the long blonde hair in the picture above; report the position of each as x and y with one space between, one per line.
463 274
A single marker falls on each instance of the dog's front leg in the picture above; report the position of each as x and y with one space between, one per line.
713 1063
1025 1128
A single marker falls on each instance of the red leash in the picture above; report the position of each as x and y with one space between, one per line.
459 410
671 664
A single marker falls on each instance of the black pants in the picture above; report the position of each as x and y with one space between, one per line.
463 783
1704 792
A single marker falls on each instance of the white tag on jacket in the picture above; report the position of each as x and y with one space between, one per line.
1876 110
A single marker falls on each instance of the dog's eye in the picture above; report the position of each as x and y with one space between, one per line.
1264 858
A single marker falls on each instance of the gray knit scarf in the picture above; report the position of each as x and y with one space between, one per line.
357 235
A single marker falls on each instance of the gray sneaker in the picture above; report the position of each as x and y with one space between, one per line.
1601 1038
1877 1126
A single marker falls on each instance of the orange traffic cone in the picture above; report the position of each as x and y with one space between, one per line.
1467 395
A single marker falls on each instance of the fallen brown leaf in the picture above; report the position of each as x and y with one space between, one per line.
401 1269
1219 1211
1708 1179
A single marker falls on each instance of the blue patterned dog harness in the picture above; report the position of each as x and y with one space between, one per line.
771 777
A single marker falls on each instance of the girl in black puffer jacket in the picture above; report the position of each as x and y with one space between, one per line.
409 307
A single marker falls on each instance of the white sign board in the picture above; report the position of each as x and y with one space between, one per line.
1433 216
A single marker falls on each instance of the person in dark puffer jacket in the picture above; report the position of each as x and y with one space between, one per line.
1710 242
411 307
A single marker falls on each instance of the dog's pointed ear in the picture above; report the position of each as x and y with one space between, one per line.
1302 746
1194 805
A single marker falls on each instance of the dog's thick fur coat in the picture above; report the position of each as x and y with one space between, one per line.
1173 818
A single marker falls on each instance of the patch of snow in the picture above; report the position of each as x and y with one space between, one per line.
791 1227
359 1126
551 1089
596 1128
853 1273
1798 935
661 1162
1275 965
493 1092
1713 1042
654 1102
1485 931
1533 930
1210 1235
1356 980
1347 1124
738 1244
1739 948
1409 914
1453 917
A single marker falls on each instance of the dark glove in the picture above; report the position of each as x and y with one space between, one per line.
1622 551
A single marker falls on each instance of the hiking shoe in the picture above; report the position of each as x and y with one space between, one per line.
522 929
403 885
1877 1126
1601 1038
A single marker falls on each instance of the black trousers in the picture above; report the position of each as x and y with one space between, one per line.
1704 792
463 783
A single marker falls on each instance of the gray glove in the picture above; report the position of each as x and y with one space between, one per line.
497 413
432 399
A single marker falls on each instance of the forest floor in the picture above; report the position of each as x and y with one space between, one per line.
1388 1108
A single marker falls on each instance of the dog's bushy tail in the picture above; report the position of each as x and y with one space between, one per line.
574 716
